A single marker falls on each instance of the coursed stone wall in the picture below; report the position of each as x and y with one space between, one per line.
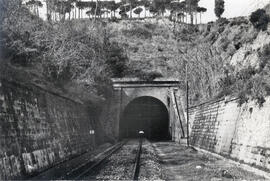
39 129
241 133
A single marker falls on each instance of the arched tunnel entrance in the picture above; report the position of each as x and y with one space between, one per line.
147 114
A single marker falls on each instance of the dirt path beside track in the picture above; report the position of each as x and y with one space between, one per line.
182 163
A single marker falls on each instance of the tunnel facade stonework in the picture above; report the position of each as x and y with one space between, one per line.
166 91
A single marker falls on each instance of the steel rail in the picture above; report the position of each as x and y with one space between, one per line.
88 167
136 169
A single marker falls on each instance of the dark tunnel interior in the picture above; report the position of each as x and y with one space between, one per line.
147 114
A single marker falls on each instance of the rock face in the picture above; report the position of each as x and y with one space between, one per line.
39 129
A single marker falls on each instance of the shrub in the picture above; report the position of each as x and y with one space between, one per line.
18 28
264 56
251 84
259 19
223 21
147 76
114 19
62 52
150 26
139 32
117 60
238 21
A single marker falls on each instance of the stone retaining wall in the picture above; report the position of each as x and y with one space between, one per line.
241 133
39 129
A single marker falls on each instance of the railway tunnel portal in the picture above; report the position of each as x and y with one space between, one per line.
151 106
146 114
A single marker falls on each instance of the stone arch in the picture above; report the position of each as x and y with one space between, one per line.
148 114
132 94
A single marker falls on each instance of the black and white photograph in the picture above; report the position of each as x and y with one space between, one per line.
135 90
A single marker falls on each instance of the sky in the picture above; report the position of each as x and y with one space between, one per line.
233 8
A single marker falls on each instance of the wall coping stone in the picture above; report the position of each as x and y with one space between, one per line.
227 99
137 83
30 85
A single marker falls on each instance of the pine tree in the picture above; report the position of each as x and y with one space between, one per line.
138 11
219 7
34 5
191 6
146 5
160 6
201 10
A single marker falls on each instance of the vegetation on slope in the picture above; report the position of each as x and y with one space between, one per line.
222 58
65 53
227 57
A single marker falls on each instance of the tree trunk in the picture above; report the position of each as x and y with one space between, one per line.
191 18
74 12
190 13
196 22
144 12
37 11
47 10
183 18
174 24
96 10
130 11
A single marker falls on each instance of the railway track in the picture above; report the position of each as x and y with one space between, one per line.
85 170
136 169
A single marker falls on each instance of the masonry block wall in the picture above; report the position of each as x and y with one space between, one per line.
39 129
241 133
